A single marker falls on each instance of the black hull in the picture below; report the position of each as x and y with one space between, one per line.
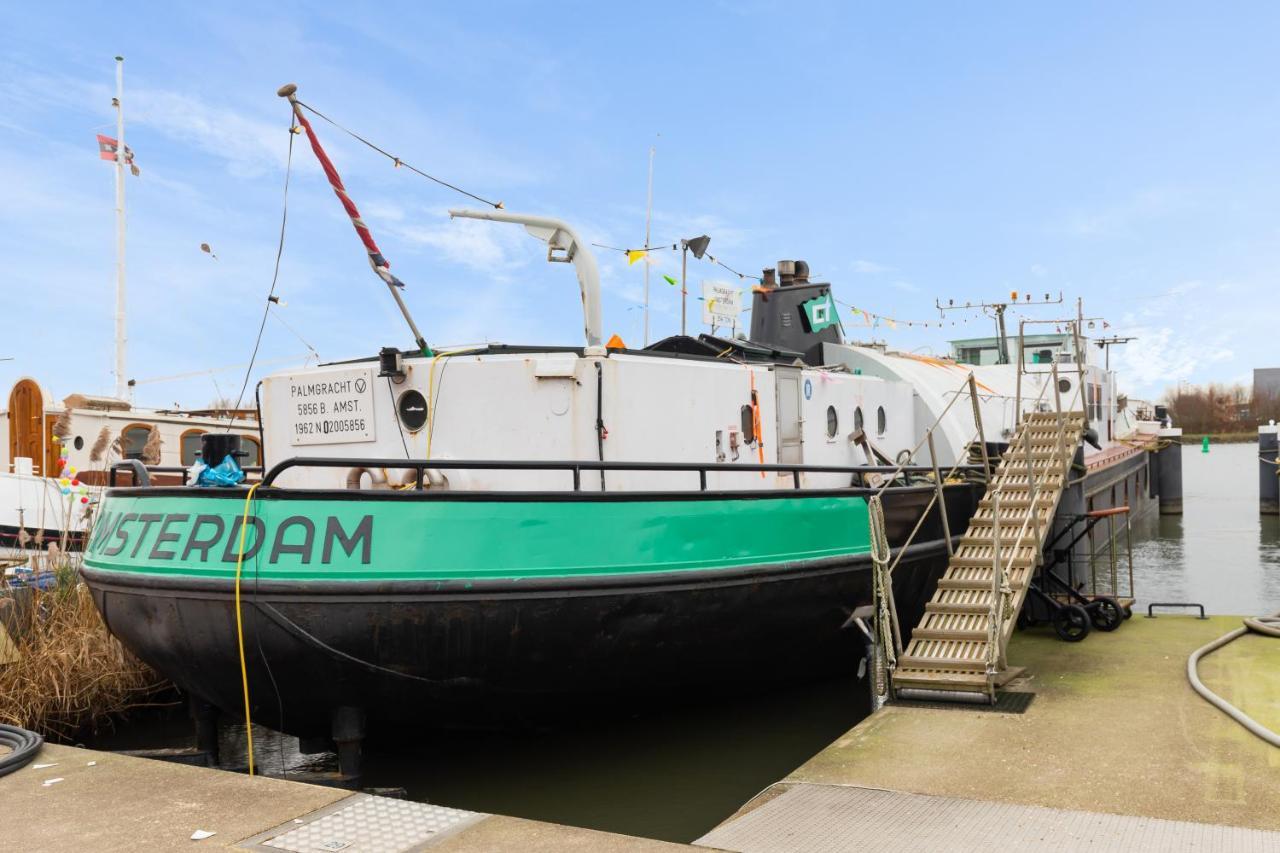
498 653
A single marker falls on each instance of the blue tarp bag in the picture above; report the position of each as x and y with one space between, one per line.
225 473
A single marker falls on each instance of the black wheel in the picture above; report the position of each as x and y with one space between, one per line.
1107 614
1071 623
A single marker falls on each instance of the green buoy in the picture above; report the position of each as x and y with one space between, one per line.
1204 444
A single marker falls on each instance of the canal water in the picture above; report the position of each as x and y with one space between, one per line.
674 774
1220 552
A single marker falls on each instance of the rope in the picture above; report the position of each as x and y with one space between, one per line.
882 590
497 205
1267 626
275 276
244 672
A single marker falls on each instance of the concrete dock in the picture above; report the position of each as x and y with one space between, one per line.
110 802
1101 745
1111 750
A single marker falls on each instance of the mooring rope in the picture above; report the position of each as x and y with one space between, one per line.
1267 626
882 591
244 670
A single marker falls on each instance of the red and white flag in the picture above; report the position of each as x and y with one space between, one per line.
108 149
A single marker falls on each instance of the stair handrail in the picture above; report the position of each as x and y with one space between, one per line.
1001 591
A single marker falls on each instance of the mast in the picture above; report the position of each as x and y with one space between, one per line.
648 219
122 382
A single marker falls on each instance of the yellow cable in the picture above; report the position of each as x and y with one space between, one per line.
244 673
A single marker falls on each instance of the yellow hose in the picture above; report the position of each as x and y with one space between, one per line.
244 672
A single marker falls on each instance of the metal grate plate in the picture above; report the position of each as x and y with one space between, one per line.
1007 702
832 818
366 824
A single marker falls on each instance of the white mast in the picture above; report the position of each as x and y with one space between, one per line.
648 218
122 382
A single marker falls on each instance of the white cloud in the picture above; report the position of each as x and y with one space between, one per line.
1039 270
1124 216
1160 356
492 247
869 267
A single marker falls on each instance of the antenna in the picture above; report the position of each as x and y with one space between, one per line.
1105 344
1002 339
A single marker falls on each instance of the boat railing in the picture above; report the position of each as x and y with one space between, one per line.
420 467
142 473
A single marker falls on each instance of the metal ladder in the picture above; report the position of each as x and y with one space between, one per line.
959 645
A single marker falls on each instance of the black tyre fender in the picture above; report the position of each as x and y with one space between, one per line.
1071 623
1106 613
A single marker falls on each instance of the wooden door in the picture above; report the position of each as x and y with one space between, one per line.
26 424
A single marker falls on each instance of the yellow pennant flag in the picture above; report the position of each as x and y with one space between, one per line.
634 255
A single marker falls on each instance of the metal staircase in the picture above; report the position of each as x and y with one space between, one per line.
959 645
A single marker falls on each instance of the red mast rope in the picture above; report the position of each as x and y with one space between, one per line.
376 260
379 263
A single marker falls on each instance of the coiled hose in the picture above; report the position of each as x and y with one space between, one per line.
24 744
1268 626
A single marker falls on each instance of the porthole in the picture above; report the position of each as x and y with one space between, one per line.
412 410
880 421
79 443
833 422
1064 385
857 419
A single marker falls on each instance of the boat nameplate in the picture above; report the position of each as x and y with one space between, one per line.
331 407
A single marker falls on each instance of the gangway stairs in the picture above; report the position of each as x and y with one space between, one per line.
959 645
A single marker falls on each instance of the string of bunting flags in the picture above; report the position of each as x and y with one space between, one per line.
874 320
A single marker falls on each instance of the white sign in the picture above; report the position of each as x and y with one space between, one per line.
721 303
331 408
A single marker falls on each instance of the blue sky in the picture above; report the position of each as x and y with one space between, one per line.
1125 153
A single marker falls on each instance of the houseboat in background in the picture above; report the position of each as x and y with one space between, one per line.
55 455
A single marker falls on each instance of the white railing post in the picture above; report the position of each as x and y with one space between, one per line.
994 628
977 417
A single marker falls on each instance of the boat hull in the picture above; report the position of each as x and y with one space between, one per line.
484 652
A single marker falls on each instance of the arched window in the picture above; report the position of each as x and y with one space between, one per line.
253 451
880 421
190 445
132 439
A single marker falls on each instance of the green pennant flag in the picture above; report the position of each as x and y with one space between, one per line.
821 312
671 281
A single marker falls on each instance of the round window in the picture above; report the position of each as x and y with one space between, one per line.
412 409
833 422
857 419
1064 385
880 421
79 443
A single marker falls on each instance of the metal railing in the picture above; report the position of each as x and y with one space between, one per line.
420 467
1001 589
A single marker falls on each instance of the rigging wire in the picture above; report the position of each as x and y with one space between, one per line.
314 352
275 275
675 247
496 205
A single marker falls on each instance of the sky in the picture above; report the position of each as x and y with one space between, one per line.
1125 154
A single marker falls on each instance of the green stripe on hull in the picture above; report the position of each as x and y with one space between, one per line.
315 540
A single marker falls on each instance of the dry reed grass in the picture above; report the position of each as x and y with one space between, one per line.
72 673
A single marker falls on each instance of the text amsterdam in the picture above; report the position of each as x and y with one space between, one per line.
210 538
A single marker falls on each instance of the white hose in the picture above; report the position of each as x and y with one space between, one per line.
1268 626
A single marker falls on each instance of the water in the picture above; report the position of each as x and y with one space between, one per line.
1220 552
675 774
